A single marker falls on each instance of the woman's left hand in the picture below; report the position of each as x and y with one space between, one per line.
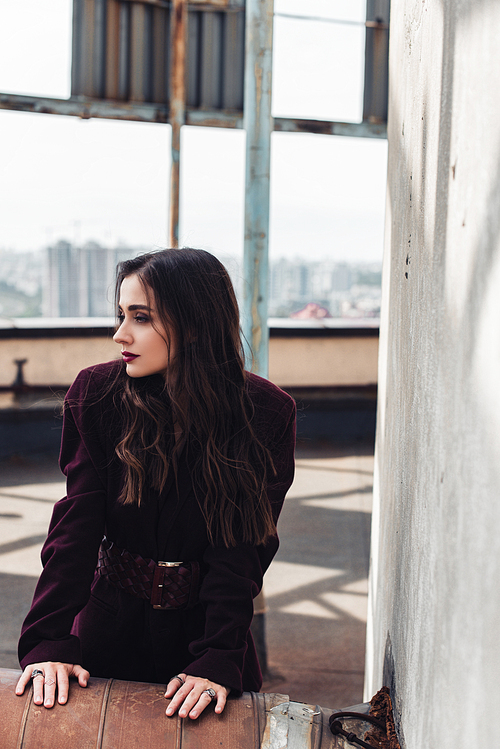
191 697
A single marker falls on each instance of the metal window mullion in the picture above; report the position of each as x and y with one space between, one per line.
258 125
137 52
99 52
193 58
124 53
112 50
177 111
233 61
149 71
76 57
376 83
211 39
159 38
87 47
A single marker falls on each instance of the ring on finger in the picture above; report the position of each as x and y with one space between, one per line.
36 672
182 681
211 693
49 682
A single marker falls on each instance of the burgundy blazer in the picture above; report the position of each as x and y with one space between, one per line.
77 616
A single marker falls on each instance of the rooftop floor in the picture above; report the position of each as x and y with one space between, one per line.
316 589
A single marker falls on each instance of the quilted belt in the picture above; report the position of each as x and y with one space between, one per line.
166 585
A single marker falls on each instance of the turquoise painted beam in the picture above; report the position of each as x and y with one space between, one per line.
258 124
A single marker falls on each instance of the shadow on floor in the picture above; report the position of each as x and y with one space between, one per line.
16 592
316 621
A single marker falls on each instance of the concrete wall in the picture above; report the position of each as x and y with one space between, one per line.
53 361
433 633
330 361
323 362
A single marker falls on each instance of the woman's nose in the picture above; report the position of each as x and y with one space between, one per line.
122 335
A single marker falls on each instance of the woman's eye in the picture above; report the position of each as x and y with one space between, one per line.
141 318
120 318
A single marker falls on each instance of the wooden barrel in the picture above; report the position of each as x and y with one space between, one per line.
112 714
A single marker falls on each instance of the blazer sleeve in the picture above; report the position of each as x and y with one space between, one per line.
234 577
69 555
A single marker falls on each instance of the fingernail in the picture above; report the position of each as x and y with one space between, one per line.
169 711
182 713
193 714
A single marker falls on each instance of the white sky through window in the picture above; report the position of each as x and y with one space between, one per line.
108 181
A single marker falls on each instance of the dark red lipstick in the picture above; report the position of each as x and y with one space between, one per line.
128 356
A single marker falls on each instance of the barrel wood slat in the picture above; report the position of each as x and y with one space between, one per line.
112 714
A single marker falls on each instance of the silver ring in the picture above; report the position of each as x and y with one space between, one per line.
182 681
211 693
36 672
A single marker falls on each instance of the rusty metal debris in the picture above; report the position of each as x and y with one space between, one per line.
336 727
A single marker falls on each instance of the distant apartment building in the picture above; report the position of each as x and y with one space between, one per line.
80 280
296 283
341 278
21 275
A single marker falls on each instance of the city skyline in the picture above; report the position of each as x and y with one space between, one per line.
69 280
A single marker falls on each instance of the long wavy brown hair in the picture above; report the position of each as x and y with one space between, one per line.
203 403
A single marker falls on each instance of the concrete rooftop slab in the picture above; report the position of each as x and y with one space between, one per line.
316 589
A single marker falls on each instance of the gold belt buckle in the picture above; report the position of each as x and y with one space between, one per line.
157 585
169 564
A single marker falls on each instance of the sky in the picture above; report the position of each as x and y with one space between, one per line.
63 177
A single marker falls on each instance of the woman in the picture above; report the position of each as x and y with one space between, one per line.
177 464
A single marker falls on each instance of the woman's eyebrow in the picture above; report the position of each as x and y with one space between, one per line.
133 307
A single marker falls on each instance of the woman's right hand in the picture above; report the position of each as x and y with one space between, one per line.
55 675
